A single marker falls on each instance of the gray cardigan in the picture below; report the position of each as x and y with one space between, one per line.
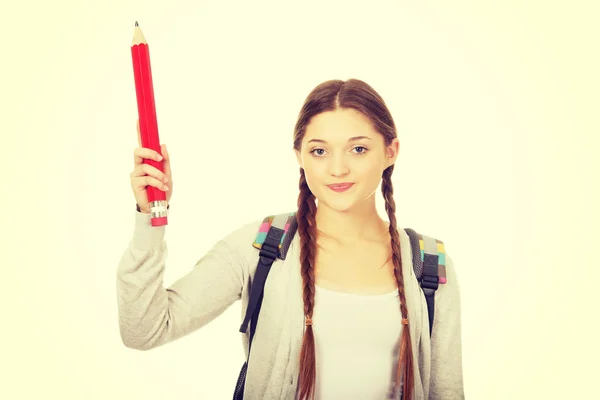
151 315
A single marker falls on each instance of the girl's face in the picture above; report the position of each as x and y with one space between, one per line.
342 146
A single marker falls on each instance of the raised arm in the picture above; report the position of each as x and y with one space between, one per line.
151 315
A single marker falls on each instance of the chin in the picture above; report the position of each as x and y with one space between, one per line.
339 204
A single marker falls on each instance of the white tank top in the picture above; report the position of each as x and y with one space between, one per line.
355 339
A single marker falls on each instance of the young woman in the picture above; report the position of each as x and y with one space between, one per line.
343 316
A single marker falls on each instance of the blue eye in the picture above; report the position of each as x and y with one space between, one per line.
361 147
313 151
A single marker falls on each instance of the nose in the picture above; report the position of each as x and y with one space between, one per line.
338 166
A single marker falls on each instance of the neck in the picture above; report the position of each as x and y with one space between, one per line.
351 226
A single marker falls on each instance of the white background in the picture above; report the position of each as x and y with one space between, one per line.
496 107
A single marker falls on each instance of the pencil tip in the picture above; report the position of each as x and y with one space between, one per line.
136 24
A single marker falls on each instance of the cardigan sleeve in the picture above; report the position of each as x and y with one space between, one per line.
446 343
150 314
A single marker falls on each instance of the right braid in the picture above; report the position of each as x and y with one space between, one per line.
308 236
405 359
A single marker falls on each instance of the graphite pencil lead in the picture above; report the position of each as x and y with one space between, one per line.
136 24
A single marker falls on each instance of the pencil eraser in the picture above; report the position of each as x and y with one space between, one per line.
159 221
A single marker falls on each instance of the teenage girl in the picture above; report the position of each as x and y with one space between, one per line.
343 316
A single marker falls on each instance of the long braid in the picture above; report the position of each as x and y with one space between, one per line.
405 359
308 234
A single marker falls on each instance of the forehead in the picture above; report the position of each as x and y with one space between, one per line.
339 125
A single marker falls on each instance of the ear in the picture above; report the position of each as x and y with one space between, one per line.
392 152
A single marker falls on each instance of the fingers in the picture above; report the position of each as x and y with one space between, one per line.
140 183
141 153
148 170
167 162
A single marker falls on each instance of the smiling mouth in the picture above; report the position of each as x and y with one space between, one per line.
341 187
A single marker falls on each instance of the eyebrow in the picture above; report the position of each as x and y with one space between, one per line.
352 139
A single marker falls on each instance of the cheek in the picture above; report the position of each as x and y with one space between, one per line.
314 176
314 168
367 171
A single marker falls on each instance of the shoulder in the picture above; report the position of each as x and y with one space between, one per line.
248 237
428 251
431 256
242 236
450 288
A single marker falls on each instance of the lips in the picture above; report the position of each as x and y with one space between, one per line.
340 187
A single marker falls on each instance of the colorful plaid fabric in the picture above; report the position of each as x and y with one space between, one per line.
441 251
264 229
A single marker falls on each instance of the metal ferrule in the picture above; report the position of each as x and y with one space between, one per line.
158 208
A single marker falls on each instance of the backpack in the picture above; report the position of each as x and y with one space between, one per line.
273 240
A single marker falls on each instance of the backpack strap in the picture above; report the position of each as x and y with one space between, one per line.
276 233
287 222
273 239
429 265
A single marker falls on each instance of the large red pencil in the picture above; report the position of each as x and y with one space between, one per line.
144 90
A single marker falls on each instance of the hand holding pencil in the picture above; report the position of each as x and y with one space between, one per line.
144 174
149 168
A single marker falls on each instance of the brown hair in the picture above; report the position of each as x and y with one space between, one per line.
329 96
